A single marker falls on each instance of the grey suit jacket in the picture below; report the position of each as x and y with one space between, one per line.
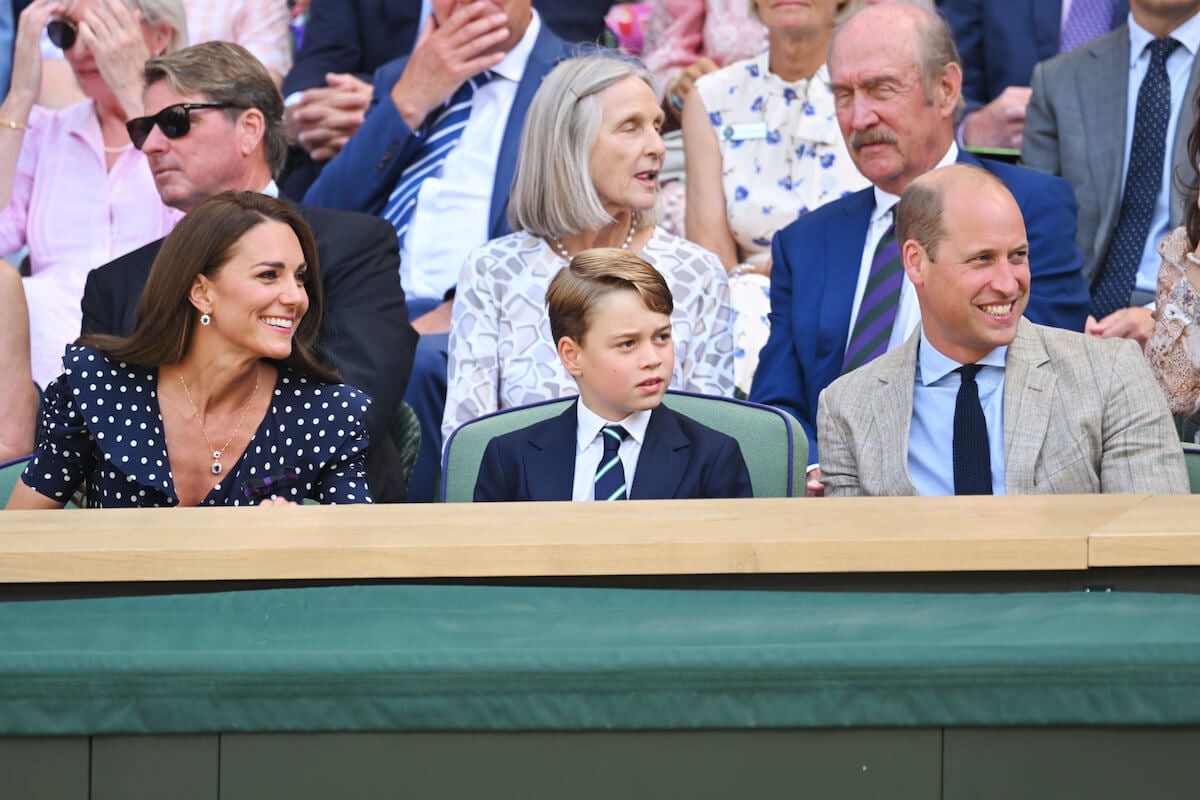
1075 127
1081 415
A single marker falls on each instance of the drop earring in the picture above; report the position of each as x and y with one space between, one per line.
205 319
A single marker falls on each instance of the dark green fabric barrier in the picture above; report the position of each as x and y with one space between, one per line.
511 658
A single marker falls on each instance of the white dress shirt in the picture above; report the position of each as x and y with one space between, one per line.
454 207
590 449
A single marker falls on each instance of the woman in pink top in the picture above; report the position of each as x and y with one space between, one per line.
72 188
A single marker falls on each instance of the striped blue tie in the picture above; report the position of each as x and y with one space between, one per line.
440 139
610 475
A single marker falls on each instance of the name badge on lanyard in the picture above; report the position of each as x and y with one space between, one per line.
745 131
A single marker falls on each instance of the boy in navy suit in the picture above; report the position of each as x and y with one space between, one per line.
610 315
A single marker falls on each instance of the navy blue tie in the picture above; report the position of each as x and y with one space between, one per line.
442 136
972 455
1115 279
610 474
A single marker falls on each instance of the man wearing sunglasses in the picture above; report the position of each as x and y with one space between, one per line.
214 123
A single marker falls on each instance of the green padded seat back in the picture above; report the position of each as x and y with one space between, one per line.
772 441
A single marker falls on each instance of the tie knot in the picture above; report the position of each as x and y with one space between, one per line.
969 371
613 436
481 79
1160 49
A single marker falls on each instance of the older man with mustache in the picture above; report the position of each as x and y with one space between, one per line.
839 296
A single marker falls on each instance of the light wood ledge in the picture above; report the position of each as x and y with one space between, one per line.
681 537
1164 531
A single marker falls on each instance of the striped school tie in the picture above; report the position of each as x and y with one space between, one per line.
610 474
880 302
442 136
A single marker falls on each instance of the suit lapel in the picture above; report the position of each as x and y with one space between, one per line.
1047 22
1028 394
844 242
663 459
892 408
1101 89
550 457
546 52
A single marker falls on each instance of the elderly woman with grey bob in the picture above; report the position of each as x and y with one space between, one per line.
587 176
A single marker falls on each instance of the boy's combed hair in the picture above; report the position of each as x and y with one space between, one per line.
594 273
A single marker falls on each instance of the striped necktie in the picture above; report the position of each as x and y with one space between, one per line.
610 474
880 302
441 137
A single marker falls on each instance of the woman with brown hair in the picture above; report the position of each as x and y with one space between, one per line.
216 398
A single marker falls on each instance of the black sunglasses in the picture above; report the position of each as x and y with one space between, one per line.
62 33
174 121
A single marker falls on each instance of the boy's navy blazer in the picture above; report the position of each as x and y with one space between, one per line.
680 458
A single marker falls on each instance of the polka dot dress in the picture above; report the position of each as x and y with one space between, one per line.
101 425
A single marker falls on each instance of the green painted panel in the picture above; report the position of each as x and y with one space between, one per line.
49 768
155 767
1057 763
831 764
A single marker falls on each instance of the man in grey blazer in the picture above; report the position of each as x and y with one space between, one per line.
979 394
1080 124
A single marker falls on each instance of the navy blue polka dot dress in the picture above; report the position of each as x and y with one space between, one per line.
101 424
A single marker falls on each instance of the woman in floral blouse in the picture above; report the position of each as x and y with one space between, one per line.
763 147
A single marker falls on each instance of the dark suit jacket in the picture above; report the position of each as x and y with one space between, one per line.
365 334
1000 42
680 458
355 36
365 172
360 36
820 254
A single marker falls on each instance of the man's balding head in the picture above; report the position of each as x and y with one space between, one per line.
966 252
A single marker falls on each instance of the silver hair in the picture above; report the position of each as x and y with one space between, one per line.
553 194
171 12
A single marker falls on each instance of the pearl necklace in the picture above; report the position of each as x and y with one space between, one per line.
561 248
112 151
216 454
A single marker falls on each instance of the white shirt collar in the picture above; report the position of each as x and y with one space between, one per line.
590 424
936 365
271 189
512 66
885 201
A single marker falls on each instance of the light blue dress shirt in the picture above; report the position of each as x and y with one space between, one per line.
1179 70
931 437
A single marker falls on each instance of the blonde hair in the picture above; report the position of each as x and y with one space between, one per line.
594 274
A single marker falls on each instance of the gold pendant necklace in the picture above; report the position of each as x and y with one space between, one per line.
216 454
